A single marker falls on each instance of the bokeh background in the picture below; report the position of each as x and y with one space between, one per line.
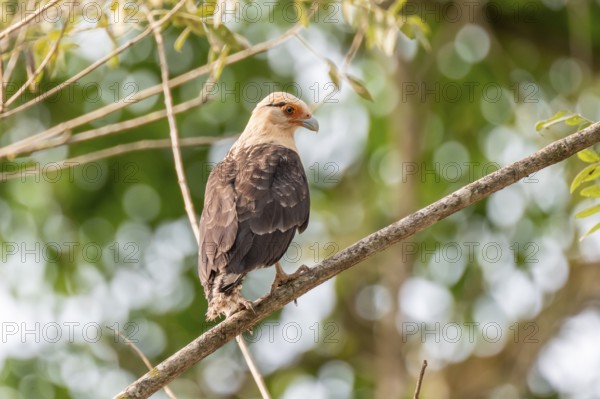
502 299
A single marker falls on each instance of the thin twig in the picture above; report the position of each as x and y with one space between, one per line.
25 21
1 85
119 127
258 378
356 42
142 145
26 144
374 243
16 51
141 355
181 180
420 380
42 65
89 69
350 54
309 47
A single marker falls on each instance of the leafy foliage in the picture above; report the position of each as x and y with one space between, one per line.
590 172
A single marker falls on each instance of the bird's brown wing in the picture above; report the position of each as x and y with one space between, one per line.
249 220
218 223
273 203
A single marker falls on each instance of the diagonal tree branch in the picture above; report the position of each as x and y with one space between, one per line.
420 380
42 65
12 170
16 51
120 127
376 242
90 68
27 20
62 129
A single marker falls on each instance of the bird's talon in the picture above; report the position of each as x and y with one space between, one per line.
245 304
302 269
282 278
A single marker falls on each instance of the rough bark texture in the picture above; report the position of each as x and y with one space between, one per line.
213 339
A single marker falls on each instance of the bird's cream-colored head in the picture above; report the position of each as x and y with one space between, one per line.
275 120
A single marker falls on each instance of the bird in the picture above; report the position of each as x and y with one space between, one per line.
256 199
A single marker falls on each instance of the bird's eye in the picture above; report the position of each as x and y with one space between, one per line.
289 109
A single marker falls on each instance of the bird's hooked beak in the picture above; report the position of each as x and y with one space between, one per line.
311 124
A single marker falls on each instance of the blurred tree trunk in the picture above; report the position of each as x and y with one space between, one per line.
391 381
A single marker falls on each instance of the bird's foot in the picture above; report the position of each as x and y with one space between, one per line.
244 304
237 304
282 278
228 305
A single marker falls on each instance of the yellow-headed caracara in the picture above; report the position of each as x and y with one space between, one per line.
255 200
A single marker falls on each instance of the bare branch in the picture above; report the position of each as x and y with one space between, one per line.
25 21
181 180
91 67
42 65
114 128
141 355
1 85
376 242
16 51
309 47
36 141
95 156
356 42
258 378
119 127
420 380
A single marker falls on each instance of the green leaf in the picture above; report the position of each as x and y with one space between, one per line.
220 63
212 55
566 117
546 123
415 28
182 38
575 120
591 191
113 62
589 156
397 7
334 74
218 37
359 88
588 173
590 231
588 212
207 9
303 13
